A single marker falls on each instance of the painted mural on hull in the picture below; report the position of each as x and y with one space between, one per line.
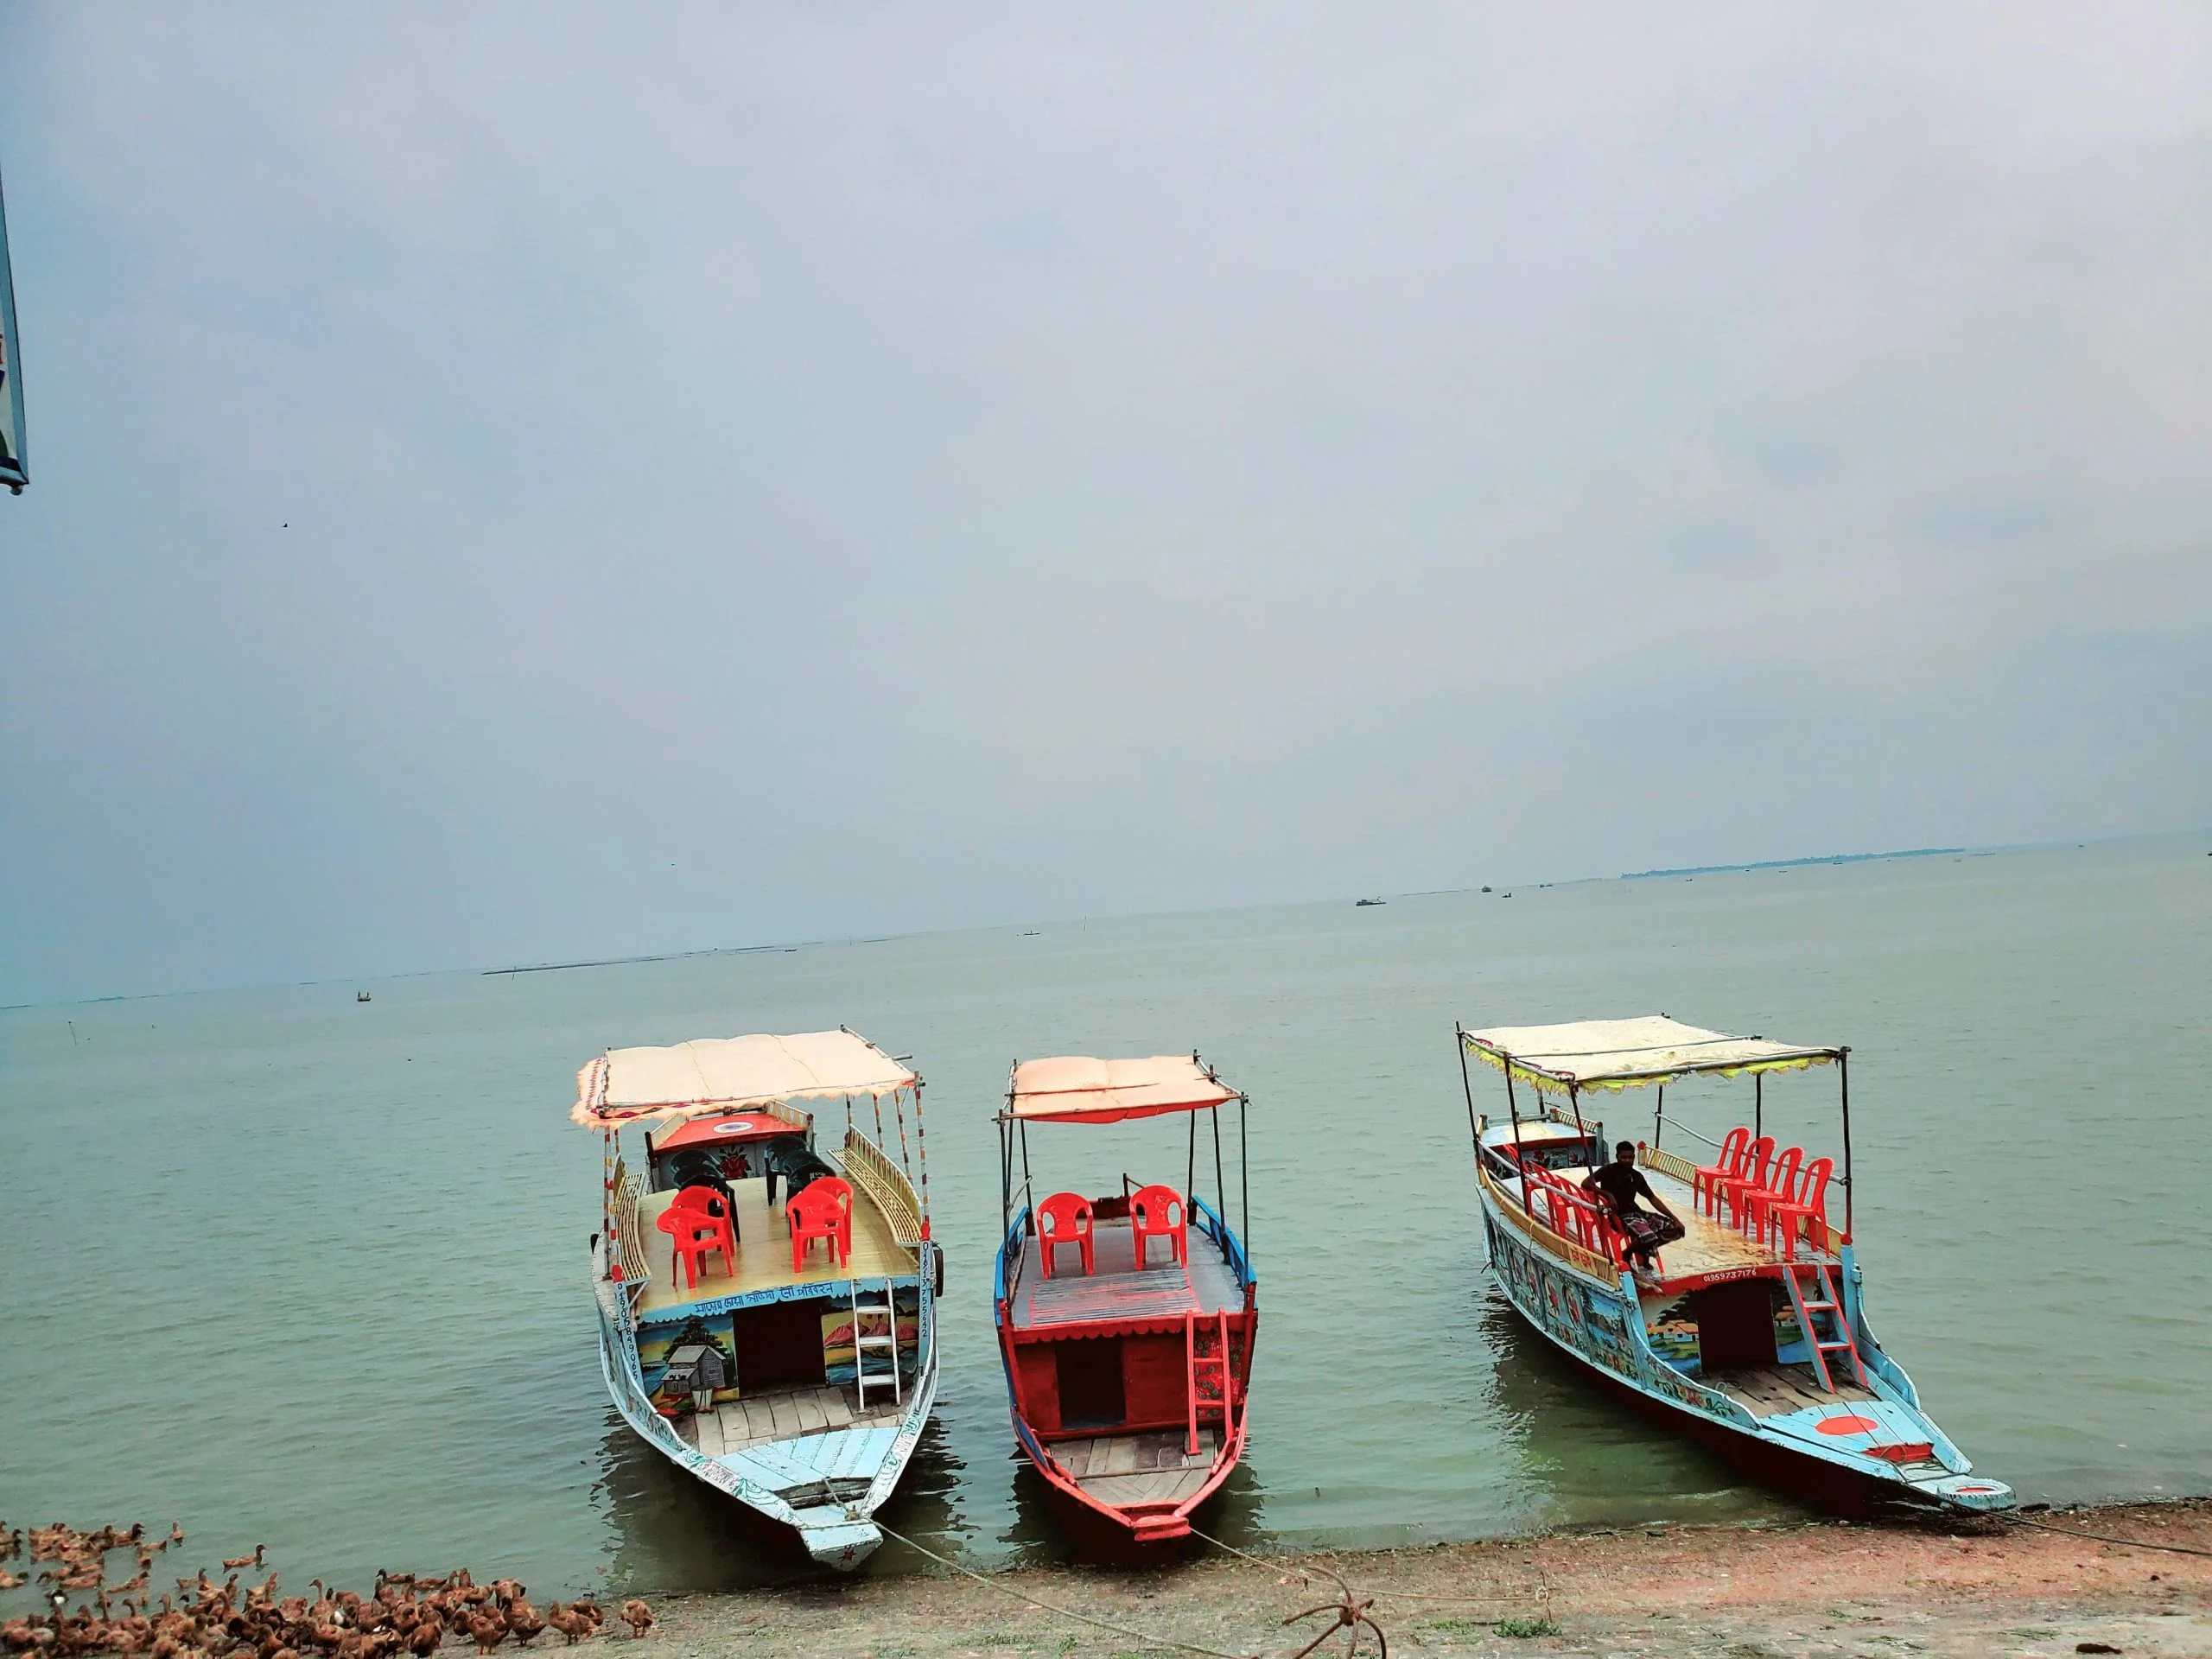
1578 1315
1595 1325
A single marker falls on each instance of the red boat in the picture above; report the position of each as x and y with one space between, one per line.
1126 1321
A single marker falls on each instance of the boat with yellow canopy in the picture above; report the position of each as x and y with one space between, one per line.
1748 1331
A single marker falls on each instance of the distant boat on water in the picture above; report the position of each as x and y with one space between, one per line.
1363 903
360 997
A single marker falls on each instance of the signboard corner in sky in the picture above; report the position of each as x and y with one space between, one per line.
14 472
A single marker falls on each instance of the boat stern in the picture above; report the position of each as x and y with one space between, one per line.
1966 1492
838 1537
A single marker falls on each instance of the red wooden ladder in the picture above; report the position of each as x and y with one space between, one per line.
1825 1300
1211 1368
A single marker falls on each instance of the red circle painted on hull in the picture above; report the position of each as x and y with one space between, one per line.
1846 1425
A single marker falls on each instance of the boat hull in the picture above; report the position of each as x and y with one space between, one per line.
1138 1529
1102 1530
1600 1328
840 1536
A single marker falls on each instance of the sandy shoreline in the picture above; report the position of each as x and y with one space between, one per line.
1815 1589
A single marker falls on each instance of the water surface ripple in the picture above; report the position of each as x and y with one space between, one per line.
293 1268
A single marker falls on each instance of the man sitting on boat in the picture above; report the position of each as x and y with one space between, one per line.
1620 1184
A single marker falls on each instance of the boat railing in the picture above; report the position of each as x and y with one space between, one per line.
887 1187
1541 1234
1002 1288
628 1256
1682 1127
1216 1228
1669 1163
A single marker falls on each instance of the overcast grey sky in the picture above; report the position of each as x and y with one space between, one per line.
758 473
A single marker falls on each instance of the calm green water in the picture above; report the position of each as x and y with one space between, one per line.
291 1268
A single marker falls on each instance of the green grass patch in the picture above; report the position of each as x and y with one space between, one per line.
1545 1625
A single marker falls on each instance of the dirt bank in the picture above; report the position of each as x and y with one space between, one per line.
1817 1589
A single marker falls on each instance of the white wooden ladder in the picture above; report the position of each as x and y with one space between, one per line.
888 1343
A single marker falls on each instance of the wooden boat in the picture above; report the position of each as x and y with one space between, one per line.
796 1376
1751 1335
1128 1352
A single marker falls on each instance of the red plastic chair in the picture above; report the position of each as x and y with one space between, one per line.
824 1210
1158 1212
1589 1220
1705 1186
706 1201
1750 1179
1810 1203
1063 1218
1779 1187
694 1235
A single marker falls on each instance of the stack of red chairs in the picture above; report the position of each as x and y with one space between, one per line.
1784 1212
1779 1187
698 1225
821 1209
1735 1150
1735 1190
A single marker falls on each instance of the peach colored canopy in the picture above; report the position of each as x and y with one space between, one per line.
1076 1089
716 1073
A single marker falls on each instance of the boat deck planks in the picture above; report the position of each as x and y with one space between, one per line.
1118 1289
1144 1468
764 1252
822 1408
1777 1390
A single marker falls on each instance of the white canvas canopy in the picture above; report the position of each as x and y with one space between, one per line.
1626 1053
716 1073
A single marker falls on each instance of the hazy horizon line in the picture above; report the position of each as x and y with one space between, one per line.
819 942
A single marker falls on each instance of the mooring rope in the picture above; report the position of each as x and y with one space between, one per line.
1290 1564
1138 1636
2095 1537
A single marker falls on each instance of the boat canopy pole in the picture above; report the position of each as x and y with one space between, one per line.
1220 1186
922 1158
1574 1100
1006 1176
1244 1179
1843 1080
1191 1158
1467 1087
1658 1116
1759 1104
1513 1106
1026 1187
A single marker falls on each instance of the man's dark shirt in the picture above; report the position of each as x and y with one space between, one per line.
1621 1182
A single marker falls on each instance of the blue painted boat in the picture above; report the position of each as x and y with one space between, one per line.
794 1375
1748 1334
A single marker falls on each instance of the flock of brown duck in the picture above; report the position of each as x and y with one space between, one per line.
203 1618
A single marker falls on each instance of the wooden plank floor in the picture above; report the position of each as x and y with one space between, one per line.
1777 1390
782 1415
1147 1468
764 1252
1161 1288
